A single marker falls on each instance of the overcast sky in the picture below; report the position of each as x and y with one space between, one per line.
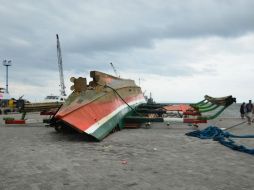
180 50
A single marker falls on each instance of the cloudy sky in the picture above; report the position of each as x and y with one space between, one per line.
177 50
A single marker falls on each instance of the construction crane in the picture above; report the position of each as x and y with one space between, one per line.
117 75
60 67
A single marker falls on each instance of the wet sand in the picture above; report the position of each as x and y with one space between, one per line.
161 157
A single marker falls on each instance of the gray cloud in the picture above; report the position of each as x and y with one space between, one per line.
126 29
127 33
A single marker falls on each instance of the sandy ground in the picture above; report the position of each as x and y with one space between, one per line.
162 157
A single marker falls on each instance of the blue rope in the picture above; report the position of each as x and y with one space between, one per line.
222 137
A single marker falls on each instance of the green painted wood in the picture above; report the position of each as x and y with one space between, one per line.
206 106
214 115
209 109
116 120
199 103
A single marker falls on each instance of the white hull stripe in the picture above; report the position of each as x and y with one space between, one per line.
176 112
170 119
96 125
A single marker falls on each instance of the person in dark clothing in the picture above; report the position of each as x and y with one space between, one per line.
242 110
249 109
252 113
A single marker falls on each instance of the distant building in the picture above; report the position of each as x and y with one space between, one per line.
4 98
4 95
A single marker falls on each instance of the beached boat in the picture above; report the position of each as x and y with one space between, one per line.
99 107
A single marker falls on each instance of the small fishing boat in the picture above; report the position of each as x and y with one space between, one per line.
99 107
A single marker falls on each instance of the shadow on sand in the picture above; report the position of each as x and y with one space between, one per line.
72 136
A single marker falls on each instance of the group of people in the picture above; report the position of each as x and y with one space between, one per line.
247 110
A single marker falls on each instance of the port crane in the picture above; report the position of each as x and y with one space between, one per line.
60 67
114 69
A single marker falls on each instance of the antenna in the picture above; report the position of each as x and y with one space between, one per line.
60 67
139 81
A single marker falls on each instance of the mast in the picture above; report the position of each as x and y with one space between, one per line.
60 67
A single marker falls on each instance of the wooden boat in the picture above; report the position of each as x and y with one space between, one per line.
181 113
99 107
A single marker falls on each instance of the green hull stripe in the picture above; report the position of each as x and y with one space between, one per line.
107 127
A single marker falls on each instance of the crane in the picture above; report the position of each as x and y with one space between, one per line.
60 67
117 75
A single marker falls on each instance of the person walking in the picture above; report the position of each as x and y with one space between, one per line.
249 110
242 110
252 113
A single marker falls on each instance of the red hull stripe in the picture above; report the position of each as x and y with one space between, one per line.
94 114
15 122
96 125
180 107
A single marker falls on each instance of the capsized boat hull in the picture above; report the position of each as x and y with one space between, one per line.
101 109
